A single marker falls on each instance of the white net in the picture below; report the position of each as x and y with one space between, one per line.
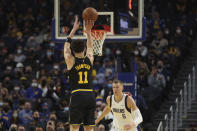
98 38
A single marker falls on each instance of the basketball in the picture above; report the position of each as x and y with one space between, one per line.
90 14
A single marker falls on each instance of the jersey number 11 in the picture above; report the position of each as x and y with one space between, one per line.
81 76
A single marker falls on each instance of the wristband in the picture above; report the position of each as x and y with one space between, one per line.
69 40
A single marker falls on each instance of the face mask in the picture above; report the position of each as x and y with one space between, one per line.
53 119
118 52
16 88
49 53
109 85
178 31
167 32
19 51
66 108
36 118
15 115
34 84
60 129
6 108
136 52
94 82
159 66
13 129
52 44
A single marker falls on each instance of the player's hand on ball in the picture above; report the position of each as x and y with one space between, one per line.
88 25
76 23
129 126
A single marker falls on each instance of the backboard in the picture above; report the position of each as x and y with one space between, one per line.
123 20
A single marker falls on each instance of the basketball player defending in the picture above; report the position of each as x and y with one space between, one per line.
79 64
126 114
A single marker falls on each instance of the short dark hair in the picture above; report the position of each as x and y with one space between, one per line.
117 81
78 46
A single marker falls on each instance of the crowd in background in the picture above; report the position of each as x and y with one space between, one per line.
34 87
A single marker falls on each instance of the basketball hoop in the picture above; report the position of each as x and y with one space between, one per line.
98 38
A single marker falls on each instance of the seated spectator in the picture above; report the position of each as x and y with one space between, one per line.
34 122
34 93
156 23
6 115
45 113
159 43
13 127
25 115
156 84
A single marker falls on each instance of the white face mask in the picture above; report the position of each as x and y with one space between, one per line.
136 52
167 32
19 51
118 52
178 31
16 88
34 84
66 108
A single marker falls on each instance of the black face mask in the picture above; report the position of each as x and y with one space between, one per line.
60 129
43 83
36 118
13 129
6 108
53 119
159 66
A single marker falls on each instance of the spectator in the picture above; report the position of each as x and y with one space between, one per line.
13 127
6 115
159 43
25 115
19 57
156 84
34 93
34 122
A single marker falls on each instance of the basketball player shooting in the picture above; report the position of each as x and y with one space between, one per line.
82 101
126 114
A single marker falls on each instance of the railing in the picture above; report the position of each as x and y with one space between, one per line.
179 110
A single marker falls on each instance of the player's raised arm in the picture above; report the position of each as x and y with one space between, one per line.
135 112
88 26
67 52
106 110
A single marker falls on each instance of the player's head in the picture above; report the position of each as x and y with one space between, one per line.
78 46
117 87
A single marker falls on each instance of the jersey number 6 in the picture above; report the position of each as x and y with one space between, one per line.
81 74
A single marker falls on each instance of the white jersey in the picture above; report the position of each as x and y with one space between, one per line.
122 114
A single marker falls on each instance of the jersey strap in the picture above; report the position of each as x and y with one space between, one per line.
110 101
129 110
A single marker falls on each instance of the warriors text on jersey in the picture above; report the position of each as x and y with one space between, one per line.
121 112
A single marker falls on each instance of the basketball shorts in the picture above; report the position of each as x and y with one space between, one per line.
82 108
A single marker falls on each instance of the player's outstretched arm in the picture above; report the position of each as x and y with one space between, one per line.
88 26
106 110
135 112
67 52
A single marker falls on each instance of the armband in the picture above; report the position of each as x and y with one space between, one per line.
137 117
69 40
